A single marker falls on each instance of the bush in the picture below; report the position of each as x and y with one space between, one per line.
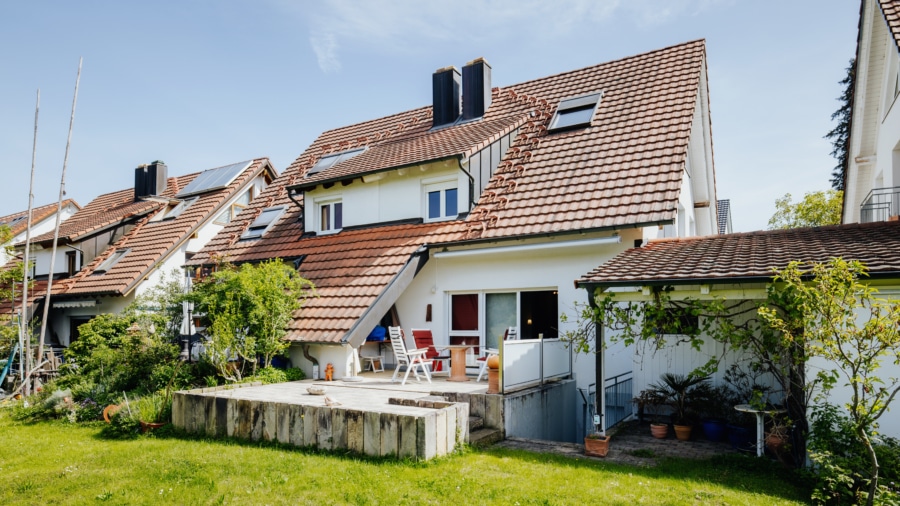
841 464
269 375
153 408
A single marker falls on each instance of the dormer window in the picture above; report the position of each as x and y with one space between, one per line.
575 112
110 262
331 215
263 222
174 210
235 208
326 162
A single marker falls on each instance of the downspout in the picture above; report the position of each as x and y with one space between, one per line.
305 347
290 195
464 161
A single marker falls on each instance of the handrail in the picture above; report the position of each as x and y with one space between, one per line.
880 204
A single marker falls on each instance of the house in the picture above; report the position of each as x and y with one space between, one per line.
43 219
123 242
475 213
872 178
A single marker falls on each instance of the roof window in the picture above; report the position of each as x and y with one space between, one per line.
110 262
174 211
263 222
213 179
575 112
326 162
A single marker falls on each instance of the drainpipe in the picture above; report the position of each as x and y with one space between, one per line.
463 163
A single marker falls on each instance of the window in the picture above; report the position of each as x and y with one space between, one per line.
174 210
331 216
226 216
326 162
263 222
71 262
110 262
441 200
575 112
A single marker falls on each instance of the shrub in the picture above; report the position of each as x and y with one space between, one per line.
269 375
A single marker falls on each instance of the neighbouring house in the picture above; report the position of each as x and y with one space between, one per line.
474 214
872 178
43 219
739 267
724 218
124 242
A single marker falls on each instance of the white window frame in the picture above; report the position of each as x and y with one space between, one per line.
235 208
317 217
586 101
439 185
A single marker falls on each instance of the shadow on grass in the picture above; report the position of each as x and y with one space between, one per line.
738 472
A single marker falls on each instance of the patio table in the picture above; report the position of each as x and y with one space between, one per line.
760 424
458 361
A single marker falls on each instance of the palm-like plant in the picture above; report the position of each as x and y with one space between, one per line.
677 388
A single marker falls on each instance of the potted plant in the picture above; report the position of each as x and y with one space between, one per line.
743 387
777 436
651 399
154 411
596 444
678 390
713 401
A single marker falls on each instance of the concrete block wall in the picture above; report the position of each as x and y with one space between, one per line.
423 436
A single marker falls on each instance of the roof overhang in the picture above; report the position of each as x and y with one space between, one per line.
66 304
303 187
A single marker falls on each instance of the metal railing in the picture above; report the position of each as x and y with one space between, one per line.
880 204
531 362
588 407
618 393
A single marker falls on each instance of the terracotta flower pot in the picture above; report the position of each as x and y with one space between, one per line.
150 426
659 430
596 446
683 432
775 442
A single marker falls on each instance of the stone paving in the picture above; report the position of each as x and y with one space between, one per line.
625 441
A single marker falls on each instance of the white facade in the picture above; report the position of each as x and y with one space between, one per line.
874 157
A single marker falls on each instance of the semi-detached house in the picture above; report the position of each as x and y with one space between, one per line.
476 212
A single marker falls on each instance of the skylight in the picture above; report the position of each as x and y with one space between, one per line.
110 262
213 179
263 222
575 112
326 162
175 211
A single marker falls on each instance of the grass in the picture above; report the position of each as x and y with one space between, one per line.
62 463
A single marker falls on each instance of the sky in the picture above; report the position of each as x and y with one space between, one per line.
204 83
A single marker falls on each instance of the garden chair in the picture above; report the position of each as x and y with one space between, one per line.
411 359
424 339
511 334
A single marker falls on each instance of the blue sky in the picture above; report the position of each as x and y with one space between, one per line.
200 84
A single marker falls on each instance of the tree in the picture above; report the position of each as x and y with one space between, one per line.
844 323
247 309
817 209
840 134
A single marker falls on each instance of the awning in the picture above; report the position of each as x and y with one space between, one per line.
74 303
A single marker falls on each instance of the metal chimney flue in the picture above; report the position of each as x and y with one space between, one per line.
476 78
150 179
445 88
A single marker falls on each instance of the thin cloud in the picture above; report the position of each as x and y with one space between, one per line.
325 46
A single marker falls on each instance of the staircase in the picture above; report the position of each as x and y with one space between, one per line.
481 436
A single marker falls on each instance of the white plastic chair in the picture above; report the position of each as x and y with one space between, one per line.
411 359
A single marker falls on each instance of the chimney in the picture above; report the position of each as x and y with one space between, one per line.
476 78
149 179
445 96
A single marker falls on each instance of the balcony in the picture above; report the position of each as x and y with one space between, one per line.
880 204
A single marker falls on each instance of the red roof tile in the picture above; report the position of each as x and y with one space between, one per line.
753 255
891 11
37 214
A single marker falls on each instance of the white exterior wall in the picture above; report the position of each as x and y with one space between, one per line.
390 196
38 228
59 318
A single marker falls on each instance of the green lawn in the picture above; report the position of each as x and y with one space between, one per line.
61 463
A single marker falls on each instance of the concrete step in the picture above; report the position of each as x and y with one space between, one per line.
484 437
475 423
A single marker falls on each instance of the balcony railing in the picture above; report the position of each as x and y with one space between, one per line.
880 204
532 362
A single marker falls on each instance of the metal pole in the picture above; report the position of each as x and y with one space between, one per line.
23 316
62 193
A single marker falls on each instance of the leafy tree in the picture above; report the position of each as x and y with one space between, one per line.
247 309
817 209
11 276
844 323
840 134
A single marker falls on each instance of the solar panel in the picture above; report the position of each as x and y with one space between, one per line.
214 179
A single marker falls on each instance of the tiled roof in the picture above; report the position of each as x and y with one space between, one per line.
624 170
891 11
149 242
100 213
351 269
723 208
37 214
752 255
